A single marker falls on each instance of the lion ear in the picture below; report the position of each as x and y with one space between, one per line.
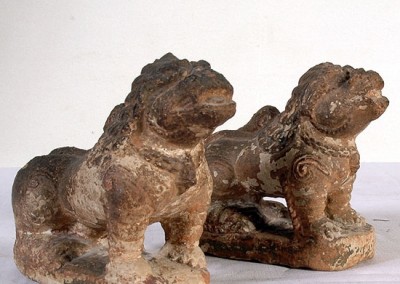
113 116
168 57
164 60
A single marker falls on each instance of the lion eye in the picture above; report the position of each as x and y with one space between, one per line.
345 78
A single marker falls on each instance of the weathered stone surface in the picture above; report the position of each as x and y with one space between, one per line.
81 215
306 154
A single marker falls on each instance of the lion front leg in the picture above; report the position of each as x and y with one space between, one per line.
182 236
306 193
307 208
339 208
127 220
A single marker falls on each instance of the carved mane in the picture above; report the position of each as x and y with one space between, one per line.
156 78
314 84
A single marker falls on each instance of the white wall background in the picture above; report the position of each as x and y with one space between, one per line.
64 64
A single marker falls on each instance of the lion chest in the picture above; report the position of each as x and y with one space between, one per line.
163 182
179 171
166 183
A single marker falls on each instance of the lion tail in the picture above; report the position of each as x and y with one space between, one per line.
260 119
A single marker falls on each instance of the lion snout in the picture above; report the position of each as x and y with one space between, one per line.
379 102
381 105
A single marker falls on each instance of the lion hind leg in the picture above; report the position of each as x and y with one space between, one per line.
35 204
43 256
44 243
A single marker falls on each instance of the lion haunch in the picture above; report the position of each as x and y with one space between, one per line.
81 215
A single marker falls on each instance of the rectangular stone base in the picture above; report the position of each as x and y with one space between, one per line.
337 254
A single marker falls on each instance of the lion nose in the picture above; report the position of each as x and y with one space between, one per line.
381 102
384 103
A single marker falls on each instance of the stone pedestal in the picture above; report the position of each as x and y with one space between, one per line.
353 246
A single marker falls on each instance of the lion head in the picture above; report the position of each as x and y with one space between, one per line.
338 101
179 100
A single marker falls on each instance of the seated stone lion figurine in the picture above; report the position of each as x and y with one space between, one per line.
306 154
81 215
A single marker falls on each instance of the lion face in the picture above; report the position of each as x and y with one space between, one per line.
181 101
191 109
355 100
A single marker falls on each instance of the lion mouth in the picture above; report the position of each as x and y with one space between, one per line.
215 107
217 101
216 98
220 106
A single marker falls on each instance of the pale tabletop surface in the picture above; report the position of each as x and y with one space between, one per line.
376 196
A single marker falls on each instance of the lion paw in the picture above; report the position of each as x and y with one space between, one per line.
134 271
349 217
227 220
327 229
194 257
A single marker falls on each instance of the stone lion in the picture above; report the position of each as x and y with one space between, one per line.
82 215
306 154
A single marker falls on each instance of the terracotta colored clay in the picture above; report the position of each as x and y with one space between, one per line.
81 215
306 154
